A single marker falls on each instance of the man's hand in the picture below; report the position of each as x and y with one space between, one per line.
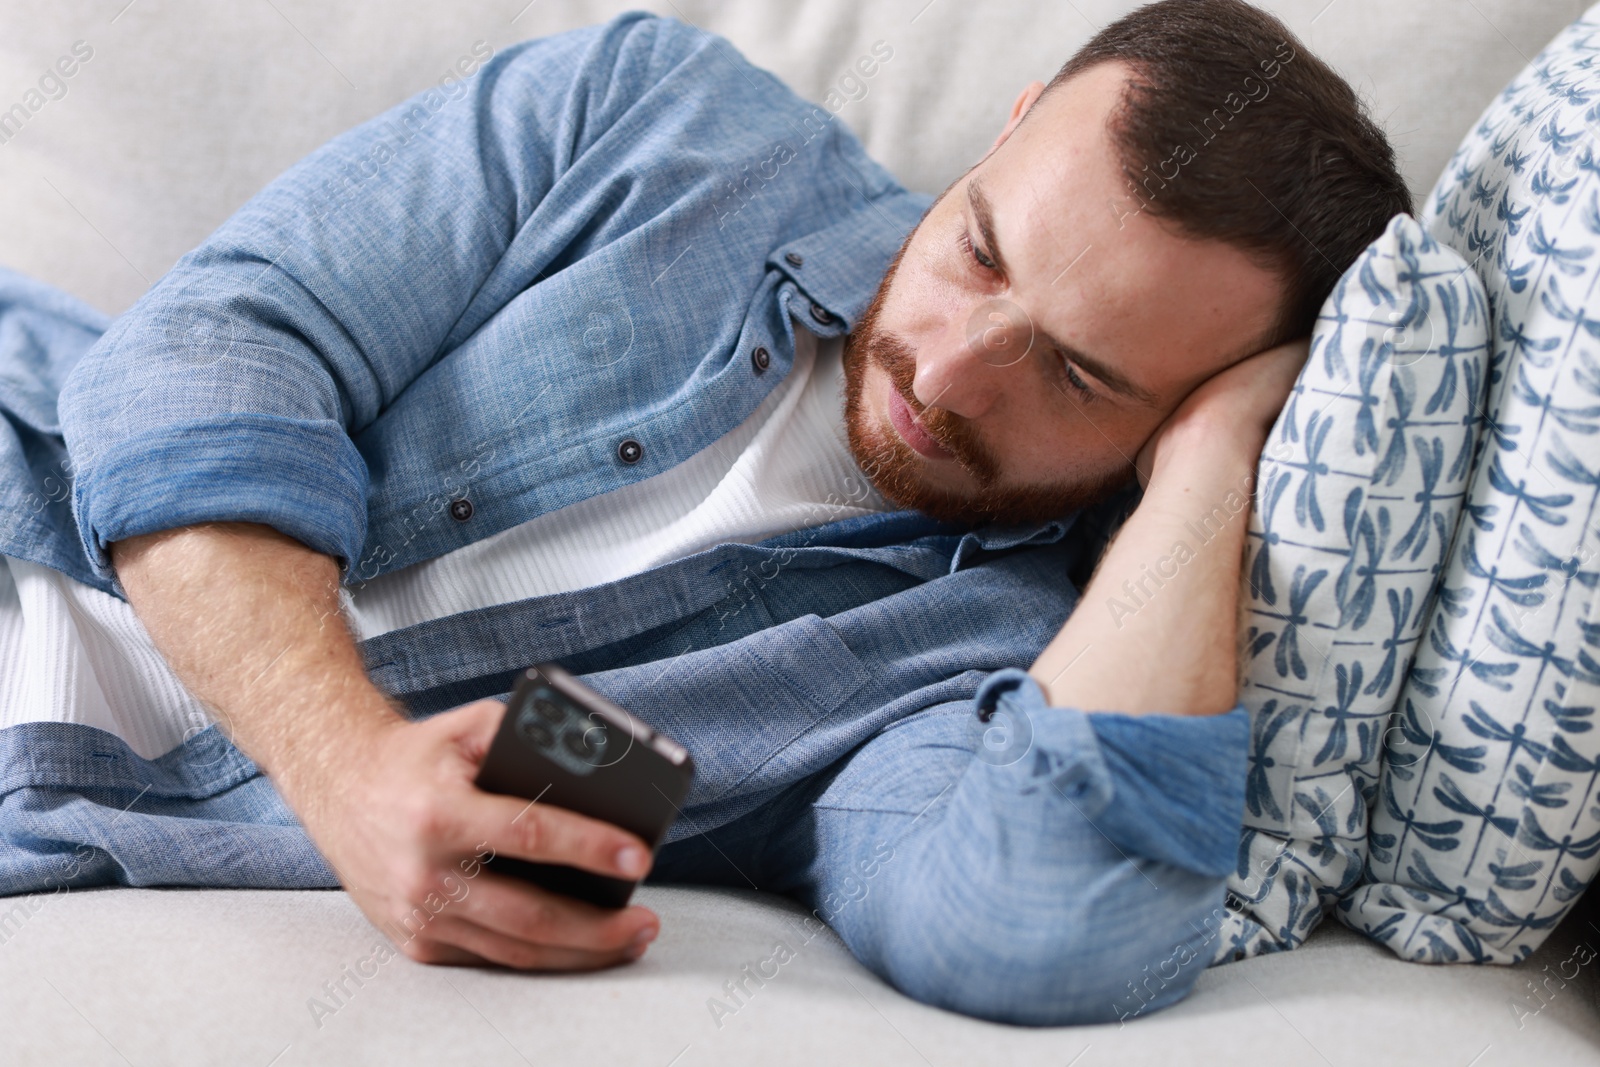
1231 412
249 620
407 832
1160 614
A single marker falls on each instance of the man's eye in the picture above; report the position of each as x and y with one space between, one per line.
1079 386
978 257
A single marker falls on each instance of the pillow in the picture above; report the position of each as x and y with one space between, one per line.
1486 830
1357 497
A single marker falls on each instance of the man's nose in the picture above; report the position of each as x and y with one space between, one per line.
965 375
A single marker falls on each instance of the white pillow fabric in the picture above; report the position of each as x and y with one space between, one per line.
1357 498
1487 828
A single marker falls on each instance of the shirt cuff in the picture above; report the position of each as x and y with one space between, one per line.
303 477
1166 787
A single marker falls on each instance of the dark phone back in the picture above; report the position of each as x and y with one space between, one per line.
561 743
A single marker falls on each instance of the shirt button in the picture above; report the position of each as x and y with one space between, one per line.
630 451
820 313
760 359
461 510
795 259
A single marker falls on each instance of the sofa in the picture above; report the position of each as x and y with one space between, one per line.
178 111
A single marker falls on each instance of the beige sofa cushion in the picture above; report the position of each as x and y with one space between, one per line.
229 977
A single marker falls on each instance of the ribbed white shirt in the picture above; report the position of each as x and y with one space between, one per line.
70 653
786 467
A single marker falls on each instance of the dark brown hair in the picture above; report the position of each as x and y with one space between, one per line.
1233 131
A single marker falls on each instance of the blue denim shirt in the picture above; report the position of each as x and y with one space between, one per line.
481 299
446 322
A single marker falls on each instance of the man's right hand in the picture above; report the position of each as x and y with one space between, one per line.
249 620
407 832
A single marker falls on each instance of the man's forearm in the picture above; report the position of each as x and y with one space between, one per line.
1157 627
248 618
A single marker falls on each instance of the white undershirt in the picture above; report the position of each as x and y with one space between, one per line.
786 467
70 653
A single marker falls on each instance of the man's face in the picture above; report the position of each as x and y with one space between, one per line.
1035 328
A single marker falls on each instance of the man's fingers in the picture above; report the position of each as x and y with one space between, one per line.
458 934
530 830
526 829
440 952
518 910
473 726
448 832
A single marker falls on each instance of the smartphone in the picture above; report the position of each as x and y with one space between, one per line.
561 743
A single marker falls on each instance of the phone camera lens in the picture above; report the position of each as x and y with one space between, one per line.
549 711
535 731
577 743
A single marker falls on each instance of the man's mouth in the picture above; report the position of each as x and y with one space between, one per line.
910 430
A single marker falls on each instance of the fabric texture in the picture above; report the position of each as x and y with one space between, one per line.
1488 827
44 333
72 654
1358 496
241 976
1064 879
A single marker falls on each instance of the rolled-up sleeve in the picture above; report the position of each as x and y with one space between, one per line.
233 389
1165 787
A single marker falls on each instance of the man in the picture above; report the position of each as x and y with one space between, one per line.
552 370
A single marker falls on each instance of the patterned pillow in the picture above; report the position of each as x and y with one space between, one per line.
1487 829
1358 495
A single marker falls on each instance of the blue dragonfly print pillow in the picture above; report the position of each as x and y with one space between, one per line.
1487 827
1358 494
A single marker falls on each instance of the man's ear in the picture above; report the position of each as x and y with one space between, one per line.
1019 108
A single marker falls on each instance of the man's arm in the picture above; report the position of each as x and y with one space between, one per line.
236 388
249 620
1157 629
216 476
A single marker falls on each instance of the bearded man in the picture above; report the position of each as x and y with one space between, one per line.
621 354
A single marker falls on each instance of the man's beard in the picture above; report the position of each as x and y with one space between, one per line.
894 468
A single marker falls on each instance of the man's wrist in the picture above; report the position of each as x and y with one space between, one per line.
330 740
1198 462
1205 434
